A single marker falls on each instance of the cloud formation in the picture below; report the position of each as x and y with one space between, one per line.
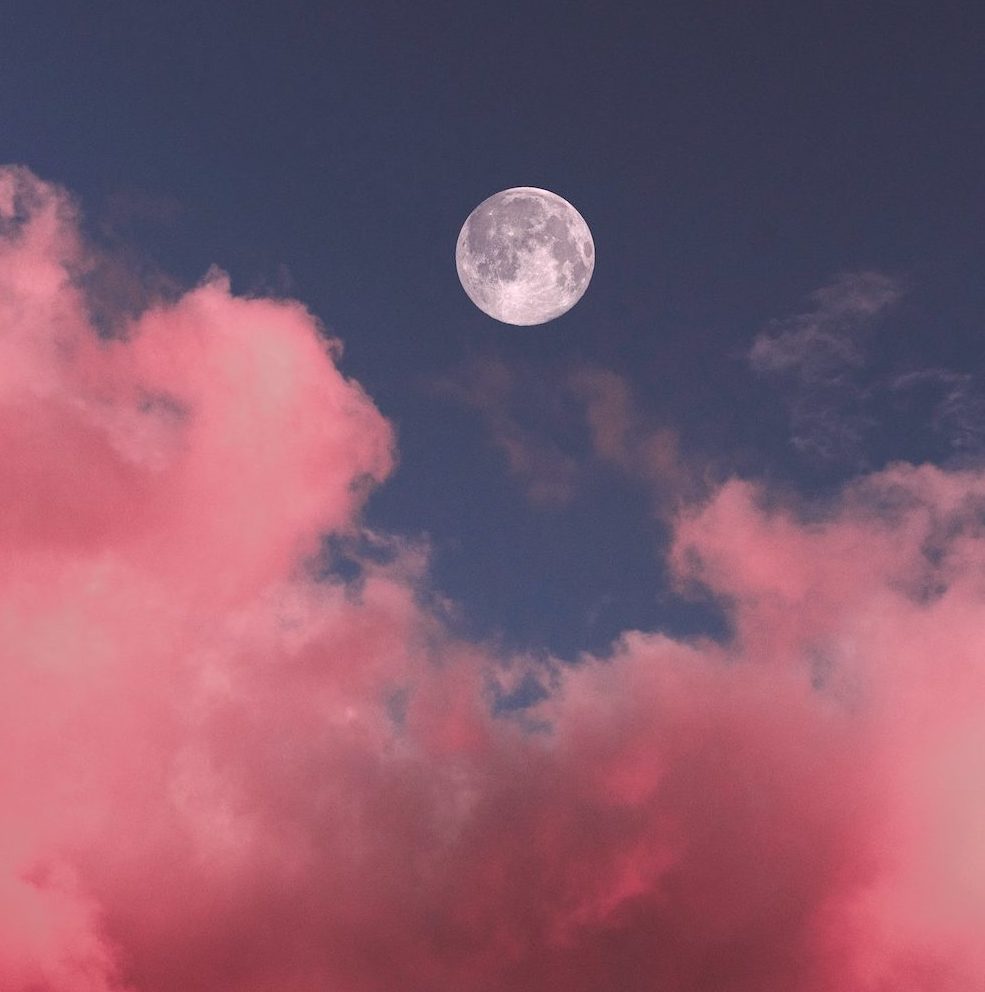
951 402
817 355
514 408
620 437
839 404
222 774
556 428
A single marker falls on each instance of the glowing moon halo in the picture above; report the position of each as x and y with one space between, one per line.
525 256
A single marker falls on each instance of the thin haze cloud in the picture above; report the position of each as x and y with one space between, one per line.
503 398
837 403
955 405
224 772
556 429
816 357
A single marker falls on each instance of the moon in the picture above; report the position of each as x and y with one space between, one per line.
525 256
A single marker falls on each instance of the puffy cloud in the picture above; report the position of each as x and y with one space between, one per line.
220 772
879 599
158 489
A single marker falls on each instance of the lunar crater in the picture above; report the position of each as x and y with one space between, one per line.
525 256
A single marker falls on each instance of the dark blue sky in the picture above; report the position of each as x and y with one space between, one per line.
731 159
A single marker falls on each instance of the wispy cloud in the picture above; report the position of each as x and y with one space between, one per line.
623 437
816 356
556 428
514 406
954 404
822 344
840 409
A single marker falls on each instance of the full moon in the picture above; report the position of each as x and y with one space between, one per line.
525 256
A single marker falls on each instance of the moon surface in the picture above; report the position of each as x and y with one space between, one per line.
525 256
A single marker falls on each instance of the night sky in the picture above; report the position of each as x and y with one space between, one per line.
456 656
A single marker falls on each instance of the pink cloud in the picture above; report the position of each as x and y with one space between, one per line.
530 416
220 774
621 437
514 407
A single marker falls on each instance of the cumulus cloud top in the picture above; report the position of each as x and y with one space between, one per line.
221 773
